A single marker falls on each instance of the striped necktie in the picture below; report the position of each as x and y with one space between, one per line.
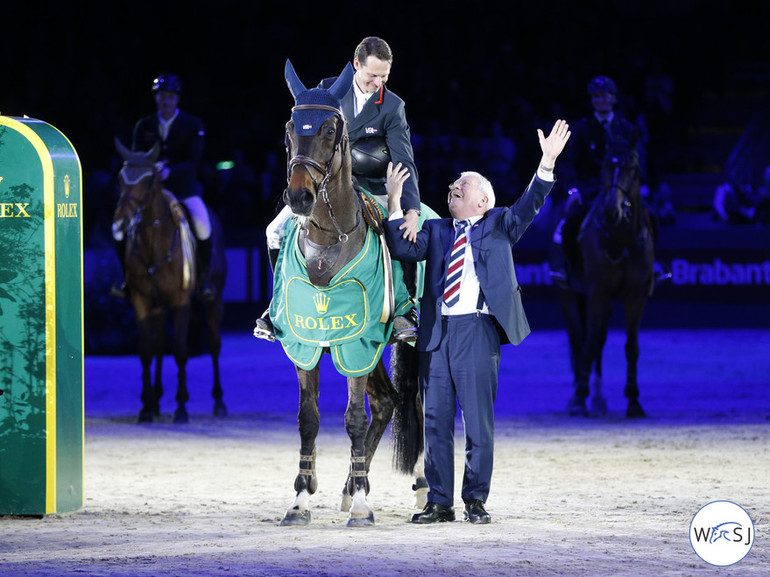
456 260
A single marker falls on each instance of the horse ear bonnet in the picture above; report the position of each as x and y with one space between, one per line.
307 122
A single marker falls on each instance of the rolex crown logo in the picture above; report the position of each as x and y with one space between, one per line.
321 301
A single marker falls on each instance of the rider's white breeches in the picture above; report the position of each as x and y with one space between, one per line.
199 217
274 231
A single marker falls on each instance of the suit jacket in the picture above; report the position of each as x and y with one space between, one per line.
182 150
492 239
383 115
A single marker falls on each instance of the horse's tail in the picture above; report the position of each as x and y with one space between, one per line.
407 423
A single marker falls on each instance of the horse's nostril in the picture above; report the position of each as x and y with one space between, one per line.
299 200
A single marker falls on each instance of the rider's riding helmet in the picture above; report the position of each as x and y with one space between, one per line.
167 83
370 157
602 84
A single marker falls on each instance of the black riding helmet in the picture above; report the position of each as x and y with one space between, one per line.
602 84
167 83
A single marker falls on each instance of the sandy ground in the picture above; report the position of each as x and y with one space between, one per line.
570 496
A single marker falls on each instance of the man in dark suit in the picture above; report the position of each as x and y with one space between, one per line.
461 330
180 138
379 133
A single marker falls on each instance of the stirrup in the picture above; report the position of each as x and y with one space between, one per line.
405 327
559 278
119 291
208 292
661 273
264 329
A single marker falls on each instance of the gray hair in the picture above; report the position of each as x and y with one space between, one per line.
484 185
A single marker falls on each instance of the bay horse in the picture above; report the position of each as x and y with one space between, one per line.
616 247
329 245
160 262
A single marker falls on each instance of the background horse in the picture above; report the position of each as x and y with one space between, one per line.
160 275
616 247
333 233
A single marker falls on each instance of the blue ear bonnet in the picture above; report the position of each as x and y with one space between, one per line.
307 121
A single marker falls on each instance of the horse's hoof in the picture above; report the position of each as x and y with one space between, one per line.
576 407
296 518
635 410
145 417
219 409
598 407
367 521
181 417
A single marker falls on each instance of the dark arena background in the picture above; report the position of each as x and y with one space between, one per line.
570 496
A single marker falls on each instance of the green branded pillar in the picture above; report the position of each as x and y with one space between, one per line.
41 320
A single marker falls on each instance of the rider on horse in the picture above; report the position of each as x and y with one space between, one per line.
379 133
597 138
180 137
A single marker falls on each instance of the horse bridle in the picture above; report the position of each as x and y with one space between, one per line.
626 202
141 204
306 161
625 216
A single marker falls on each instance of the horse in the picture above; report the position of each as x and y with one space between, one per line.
617 253
160 262
335 230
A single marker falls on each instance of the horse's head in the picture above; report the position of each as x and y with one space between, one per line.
621 178
316 140
137 178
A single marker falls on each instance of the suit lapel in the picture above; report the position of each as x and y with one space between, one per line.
348 109
370 110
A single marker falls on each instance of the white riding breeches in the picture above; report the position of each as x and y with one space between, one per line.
199 217
274 231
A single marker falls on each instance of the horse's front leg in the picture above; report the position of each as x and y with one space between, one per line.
356 425
181 326
634 306
308 419
213 327
598 311
158 339
149 409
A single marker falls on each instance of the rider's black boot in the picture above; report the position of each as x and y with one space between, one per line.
207 291
264 328
119 290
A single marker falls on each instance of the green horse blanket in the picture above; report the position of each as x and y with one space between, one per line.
349 317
